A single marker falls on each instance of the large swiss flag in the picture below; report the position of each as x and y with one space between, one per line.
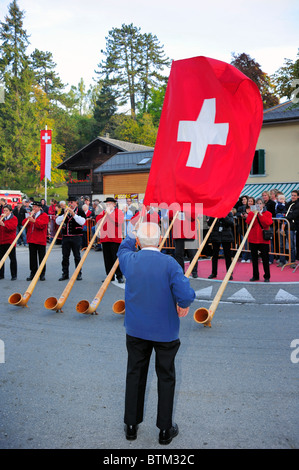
45 154
211 119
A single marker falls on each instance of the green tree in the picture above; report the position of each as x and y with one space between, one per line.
252 69
17 112
105 106
284 77
132 65
14 42
45 75
153 62
155 103
25 110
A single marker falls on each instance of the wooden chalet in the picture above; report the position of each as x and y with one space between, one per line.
83 180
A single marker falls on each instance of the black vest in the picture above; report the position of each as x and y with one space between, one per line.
70 227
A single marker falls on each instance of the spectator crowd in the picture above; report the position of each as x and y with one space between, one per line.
275 214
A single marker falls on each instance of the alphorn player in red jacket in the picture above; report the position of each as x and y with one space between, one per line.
8 233
37 231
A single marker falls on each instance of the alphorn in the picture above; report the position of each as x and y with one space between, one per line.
90 308
203 315
51 303
119 305
18 299
13 244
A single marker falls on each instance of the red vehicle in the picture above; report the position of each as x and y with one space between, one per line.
11 197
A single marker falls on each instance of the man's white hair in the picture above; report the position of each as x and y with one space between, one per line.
148 234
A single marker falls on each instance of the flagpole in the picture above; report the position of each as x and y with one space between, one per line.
46 128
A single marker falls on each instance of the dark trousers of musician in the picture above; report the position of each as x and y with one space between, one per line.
139 354
13 260
263 248
215 255
110 250
70 244
180 248
36 255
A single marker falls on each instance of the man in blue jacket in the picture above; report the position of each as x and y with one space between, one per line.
157 293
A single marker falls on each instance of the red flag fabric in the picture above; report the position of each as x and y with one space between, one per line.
211 119
45 153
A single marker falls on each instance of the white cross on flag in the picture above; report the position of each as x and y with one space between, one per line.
210 122
45 153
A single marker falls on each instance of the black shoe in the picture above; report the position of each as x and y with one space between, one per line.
42 277
79 278
14 278
211 276
166 435
231 278
29 278
63 278
120 280
194 275
254 279
131 431
1 277
266 279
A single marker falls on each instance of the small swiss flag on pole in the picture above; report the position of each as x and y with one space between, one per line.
209 127
45 153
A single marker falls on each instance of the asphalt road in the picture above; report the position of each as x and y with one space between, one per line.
62 374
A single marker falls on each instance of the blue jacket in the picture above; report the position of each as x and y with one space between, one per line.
155 283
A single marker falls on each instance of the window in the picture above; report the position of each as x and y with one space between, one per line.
143 161
258 165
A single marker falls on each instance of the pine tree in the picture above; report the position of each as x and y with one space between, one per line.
45 75
17 113
132 65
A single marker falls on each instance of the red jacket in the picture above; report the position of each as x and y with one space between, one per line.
153 217
256 234
52 211
111 230
9 232
37 231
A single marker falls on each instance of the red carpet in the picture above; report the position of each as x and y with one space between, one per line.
243 271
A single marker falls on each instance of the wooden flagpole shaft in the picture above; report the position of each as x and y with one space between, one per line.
18 299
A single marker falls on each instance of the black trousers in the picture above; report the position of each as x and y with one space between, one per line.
110 250
179 253
139 353
36 255
227 255
70 244
263 248
12 257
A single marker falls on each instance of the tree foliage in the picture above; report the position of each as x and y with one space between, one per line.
285 78
132 65
252 69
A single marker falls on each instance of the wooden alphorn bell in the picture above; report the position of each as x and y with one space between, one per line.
83 306
18 299
203 315
119 305
51 303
